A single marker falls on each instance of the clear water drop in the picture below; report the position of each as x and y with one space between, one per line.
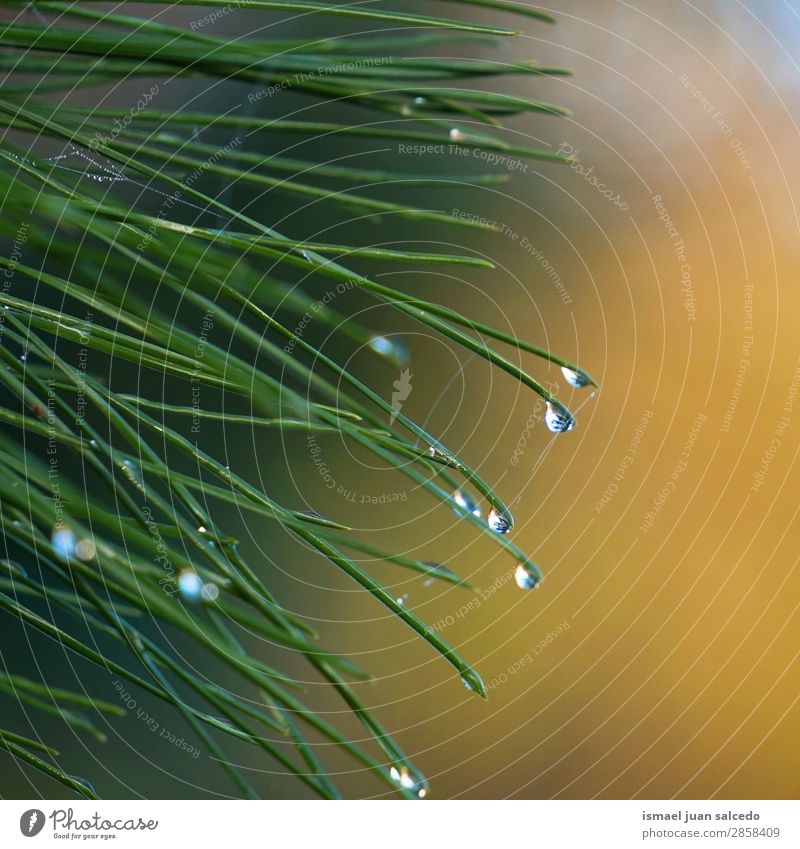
420 101
14 568
133 473
189 585
401 600
558 419
574 378
465 503
469 685
210 592
497 522
526 579
406 111
394 349
63 540
456 135
407 781
85 550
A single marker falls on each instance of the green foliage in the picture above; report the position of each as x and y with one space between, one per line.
125 482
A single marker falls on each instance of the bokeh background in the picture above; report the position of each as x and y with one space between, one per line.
659 658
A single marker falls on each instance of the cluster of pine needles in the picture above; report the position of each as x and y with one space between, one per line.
107 494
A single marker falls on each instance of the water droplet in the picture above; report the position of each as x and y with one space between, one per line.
466 503
14 568
526 579
202 529
189 584
93 443
85 550
63 541
558 419
394 349
406 111
444 457
420 101
456 135
468 684
210 592
407 781
133 473
497 522
85 782
401 600
574 378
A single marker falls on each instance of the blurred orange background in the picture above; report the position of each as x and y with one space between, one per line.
666 522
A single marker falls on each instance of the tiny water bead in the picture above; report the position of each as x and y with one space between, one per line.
190 585
574 378
466 503
85 550
133 473
456 135
526 579
394 349
404 778
64 541
497 522
558 419
443 457
210 592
